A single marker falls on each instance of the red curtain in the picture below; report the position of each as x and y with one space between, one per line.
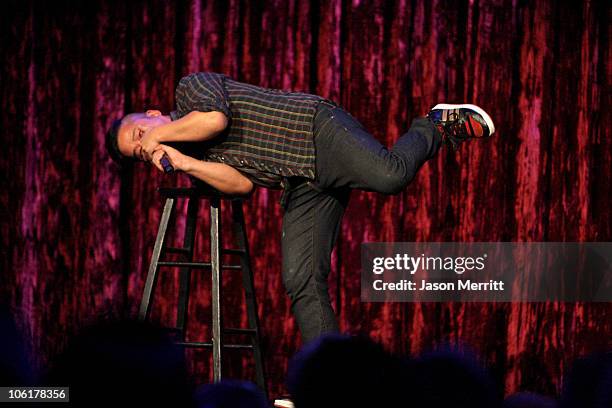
76 234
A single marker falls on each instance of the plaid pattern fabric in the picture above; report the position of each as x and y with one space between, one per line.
270 131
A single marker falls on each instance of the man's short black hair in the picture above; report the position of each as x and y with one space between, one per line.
112 144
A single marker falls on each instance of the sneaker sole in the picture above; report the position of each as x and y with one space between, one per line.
283 404
475 108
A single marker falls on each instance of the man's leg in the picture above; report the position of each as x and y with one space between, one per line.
311 223
349 156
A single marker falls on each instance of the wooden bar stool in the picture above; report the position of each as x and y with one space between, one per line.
215 198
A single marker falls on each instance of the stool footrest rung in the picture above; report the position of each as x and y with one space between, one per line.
232 330
195 265
195 344
233 251
228 330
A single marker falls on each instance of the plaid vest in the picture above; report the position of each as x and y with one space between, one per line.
270 132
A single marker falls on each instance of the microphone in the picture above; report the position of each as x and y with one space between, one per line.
165 162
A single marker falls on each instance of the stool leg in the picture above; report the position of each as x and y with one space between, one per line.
145 304
215 266
185 272
249 290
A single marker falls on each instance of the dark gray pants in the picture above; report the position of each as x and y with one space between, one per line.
347 157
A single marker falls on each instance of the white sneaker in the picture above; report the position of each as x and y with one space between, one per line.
283 403
458 123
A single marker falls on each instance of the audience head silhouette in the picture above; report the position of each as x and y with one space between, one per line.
589 382
14 367
230 394
127 362
529 400
344 371
452 378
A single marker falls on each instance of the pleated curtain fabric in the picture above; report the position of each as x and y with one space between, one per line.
77 234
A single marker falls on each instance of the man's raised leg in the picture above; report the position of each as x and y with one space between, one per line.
350 156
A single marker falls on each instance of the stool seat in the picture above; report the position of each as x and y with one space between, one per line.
199 192
194 195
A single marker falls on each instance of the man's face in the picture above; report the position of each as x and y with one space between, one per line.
133 128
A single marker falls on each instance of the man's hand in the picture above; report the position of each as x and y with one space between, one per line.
149 142
179 161
221 176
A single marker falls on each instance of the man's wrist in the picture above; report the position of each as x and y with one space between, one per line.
187 164
162 133
157 135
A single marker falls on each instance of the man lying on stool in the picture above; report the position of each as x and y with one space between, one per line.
305 144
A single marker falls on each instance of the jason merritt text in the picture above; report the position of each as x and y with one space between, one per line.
405 284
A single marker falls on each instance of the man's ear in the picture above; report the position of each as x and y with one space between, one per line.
152 113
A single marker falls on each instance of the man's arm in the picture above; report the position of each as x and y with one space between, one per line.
220 176
195 126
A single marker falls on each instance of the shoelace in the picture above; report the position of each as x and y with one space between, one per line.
454 130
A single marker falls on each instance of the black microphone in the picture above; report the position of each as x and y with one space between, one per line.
165 162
